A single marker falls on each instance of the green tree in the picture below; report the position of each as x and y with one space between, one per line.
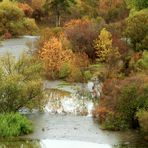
138 4
88 8
137 30
58 7
21 83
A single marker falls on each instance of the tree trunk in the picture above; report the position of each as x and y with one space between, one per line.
58 20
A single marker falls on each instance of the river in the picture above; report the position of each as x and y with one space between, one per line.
66 121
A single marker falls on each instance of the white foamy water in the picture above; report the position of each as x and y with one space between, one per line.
79 98
71 104
71 144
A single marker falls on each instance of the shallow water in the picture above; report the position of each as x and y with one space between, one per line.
65 125
18 45
61 144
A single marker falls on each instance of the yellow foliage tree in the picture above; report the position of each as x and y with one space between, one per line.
107 53
104 46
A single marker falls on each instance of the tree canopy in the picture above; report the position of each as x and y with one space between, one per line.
58 7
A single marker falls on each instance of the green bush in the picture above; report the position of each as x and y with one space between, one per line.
142 116
20 83
137 30
75 75
132 98
87 75
14 124
143 62
64 71
30 26
143 120
13 20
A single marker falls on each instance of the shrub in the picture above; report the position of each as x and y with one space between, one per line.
143 62
138 62
21 83
26 9
61 62
30 26
87 75
54 56
37 4
114 10
13 20
38 11
64 71
47 33
137 30
101 113
138 4
7 35
123 98
143 118
81 34
78 64
14 124
133 97
75 74
117 29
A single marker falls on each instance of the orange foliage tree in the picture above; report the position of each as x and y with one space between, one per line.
62 62
54 56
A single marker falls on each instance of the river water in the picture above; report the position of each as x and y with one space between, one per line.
66 121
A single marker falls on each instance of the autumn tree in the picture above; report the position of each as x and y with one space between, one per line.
58 7
26 9
54 56
106 52
104 47
113 10
81 33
